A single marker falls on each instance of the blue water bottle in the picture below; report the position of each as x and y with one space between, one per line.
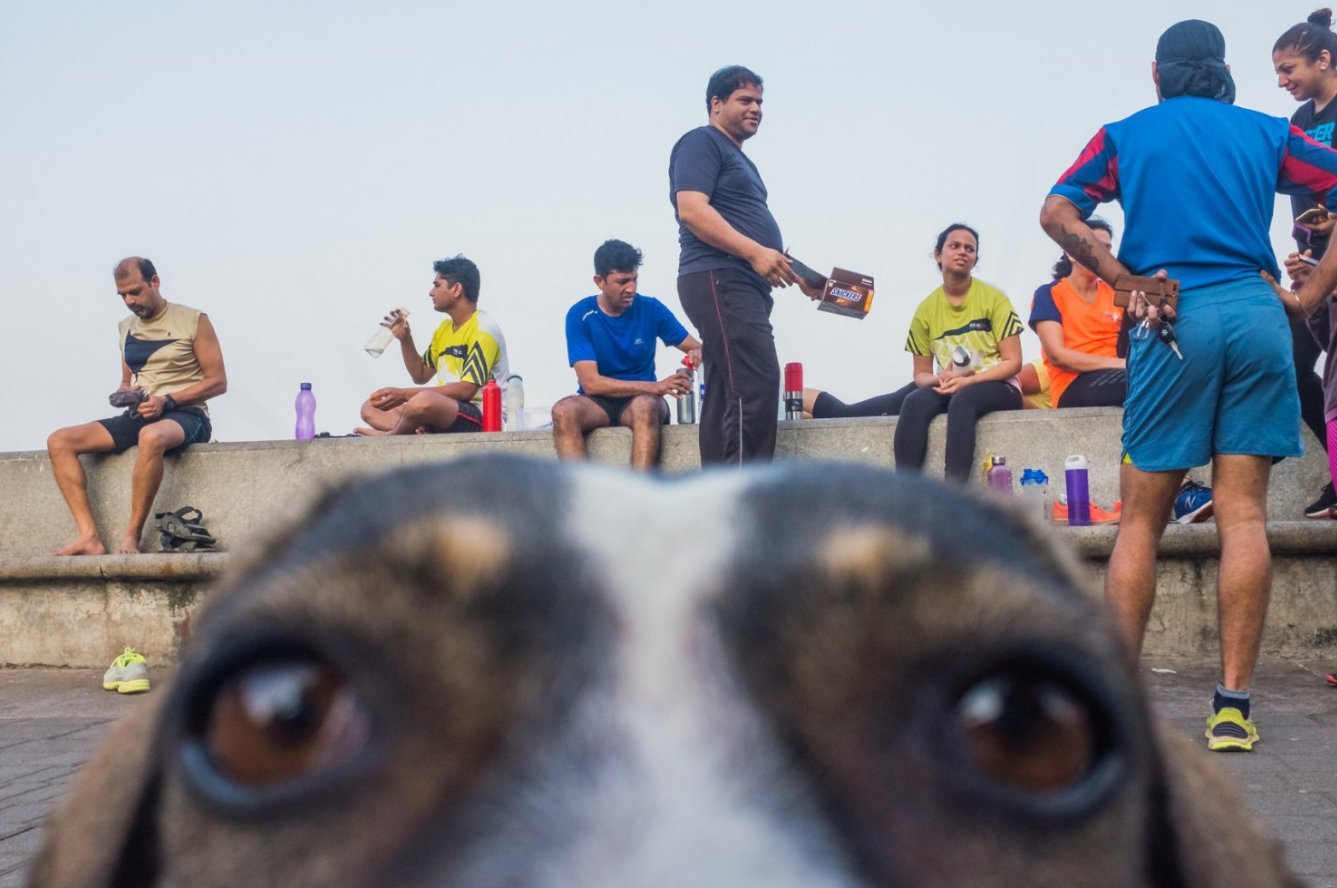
1079 492
306 413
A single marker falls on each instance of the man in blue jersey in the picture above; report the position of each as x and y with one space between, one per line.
1197 177
610 342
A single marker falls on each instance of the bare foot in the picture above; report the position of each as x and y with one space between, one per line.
367 432
83 546
128 546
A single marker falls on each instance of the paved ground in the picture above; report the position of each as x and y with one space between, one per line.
51 718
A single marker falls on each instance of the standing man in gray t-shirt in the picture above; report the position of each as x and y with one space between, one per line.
731 256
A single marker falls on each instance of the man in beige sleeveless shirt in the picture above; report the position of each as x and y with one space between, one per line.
169 353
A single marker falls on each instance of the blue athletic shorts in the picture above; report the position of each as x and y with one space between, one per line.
1234 392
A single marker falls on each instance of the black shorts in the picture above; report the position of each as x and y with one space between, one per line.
614 407
125 428
469 420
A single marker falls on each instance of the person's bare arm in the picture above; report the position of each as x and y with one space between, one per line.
1051 340
1314 287
214 382
390 397
704 221
1009 349
692 349
1061 221
419 370
595 383
923 371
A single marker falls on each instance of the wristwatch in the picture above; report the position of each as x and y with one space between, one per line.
168 404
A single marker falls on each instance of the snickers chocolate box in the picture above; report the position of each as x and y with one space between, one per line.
847 293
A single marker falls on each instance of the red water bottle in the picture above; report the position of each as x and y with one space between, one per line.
492 406
793 390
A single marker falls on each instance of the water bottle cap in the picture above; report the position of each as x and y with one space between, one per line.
1076 461
1034 476
306 386
1000 460
515 376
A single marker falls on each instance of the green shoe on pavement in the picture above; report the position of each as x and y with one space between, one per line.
127 674
1229 731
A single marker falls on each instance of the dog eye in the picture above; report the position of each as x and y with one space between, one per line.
281 721
1027 733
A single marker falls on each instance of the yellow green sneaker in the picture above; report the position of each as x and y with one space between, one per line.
127 674
1229 731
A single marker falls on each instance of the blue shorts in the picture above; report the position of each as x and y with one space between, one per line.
124 429
1234 392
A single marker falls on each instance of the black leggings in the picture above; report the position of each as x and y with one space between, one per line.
828 406
1307 382
1096 388
962 409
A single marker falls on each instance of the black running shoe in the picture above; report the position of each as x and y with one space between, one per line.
1325 506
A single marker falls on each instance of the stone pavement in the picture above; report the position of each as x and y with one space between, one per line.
50 719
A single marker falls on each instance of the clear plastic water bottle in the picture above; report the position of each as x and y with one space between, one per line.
1079 491
515 403
306 413
380 340
1035 491
1000 476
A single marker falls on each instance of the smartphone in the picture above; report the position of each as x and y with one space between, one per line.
1309 260
806 274
1309 217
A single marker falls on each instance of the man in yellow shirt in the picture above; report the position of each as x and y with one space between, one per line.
465 350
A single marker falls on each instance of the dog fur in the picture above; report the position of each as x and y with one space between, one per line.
524 673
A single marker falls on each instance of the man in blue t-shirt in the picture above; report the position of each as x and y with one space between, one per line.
1197 179
730 259
610 342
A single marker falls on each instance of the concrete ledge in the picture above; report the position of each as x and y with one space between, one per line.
241 485
1286 538
82 611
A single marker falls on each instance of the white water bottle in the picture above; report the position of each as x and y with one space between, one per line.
515 403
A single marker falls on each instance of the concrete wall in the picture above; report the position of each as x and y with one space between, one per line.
241 485
82 611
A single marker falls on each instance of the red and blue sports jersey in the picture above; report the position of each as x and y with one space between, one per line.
1197 180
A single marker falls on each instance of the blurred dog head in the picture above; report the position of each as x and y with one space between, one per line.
503 672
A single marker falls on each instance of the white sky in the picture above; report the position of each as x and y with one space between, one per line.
294 168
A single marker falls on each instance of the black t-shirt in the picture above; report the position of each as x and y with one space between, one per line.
705 160
1319 127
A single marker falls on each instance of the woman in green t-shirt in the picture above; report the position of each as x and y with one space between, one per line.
966 342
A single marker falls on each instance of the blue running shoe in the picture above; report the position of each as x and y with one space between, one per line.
1193 504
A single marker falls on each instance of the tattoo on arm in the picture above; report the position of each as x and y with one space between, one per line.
1080 248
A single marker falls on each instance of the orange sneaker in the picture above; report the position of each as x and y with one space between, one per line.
1098 515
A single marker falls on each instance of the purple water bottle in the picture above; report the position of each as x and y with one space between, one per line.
306 413
1079 492
1000 476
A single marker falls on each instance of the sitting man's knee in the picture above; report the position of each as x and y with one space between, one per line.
566 413
59 441
154 439
642 410
419 407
